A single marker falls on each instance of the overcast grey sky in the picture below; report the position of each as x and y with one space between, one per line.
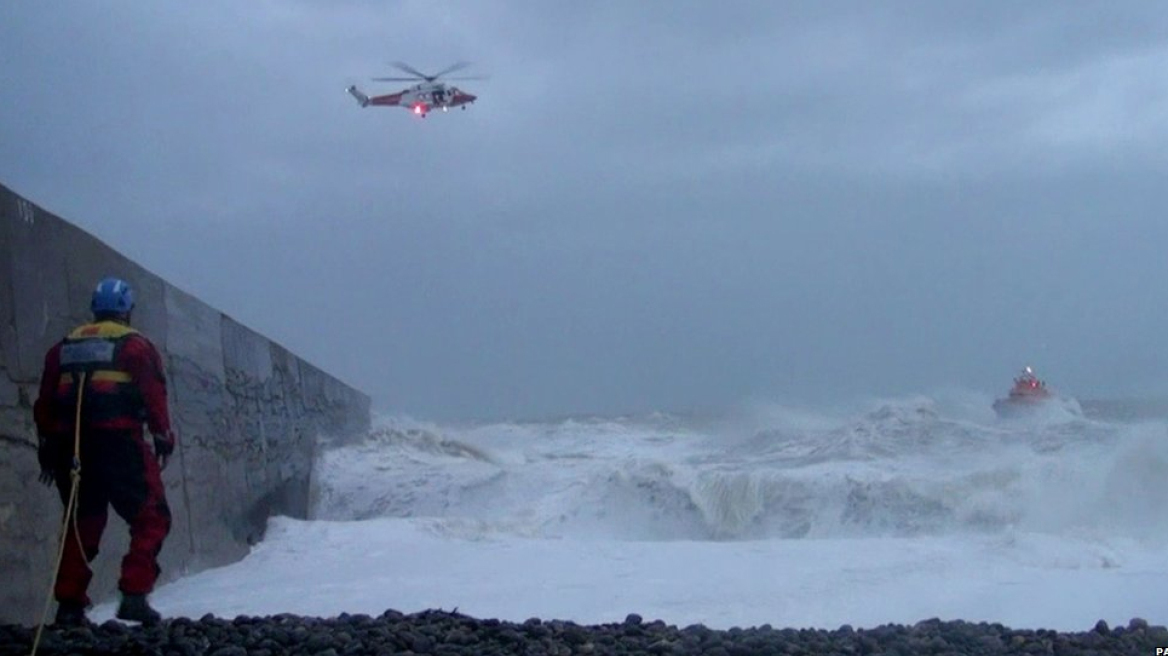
652 206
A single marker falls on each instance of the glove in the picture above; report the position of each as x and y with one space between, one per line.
163 447
47 457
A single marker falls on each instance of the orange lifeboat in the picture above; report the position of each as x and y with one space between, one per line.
1028 392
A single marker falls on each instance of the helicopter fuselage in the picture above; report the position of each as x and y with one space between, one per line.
428 94
419 99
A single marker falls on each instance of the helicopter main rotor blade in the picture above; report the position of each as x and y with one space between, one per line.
467 77
396 79
450 69
413 71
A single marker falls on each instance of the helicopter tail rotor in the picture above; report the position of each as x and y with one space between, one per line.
356 93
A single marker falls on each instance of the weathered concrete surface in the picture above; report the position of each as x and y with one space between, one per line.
248 412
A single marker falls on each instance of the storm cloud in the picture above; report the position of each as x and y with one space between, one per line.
653 206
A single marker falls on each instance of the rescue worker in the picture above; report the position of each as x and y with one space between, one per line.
124 385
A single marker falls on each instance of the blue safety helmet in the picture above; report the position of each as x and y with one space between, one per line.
112 296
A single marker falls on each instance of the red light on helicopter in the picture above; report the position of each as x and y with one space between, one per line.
418 109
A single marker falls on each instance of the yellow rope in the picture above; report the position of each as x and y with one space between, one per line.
70 514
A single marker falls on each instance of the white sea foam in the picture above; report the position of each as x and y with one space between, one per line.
899 469
900 511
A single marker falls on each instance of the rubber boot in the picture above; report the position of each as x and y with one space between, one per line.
70 613
135 608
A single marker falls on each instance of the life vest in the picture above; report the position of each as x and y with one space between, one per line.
111 400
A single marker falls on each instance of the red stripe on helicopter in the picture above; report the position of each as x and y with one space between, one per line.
390 100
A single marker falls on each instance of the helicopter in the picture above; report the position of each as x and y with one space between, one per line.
427 95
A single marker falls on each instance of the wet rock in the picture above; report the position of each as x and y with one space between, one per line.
440 633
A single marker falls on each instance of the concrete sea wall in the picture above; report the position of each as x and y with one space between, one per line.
249 414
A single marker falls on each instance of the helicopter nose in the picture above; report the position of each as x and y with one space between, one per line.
463 97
